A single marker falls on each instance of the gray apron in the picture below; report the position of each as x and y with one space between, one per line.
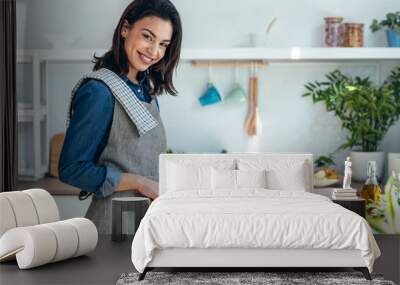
136 138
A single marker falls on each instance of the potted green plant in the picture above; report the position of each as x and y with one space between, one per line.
392 26
365 110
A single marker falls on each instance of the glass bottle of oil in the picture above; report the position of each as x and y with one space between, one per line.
371 191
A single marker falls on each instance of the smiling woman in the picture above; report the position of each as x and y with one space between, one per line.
115 133
149 28
142 44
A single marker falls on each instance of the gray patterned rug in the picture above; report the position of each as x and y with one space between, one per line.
230 278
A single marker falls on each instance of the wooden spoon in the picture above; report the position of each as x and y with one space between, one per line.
250 124
255 95
250 111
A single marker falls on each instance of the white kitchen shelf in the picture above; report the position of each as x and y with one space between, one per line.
35 147
27 115
27 174
292 54
265 54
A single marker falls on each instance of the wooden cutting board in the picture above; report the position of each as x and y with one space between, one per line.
56 144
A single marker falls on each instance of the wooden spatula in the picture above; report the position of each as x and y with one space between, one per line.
251 121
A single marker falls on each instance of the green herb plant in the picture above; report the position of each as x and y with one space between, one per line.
392 22
365 110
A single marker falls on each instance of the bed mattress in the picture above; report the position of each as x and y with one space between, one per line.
250 219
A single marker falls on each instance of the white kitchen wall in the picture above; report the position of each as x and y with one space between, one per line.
290 123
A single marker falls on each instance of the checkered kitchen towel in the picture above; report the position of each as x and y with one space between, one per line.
137 112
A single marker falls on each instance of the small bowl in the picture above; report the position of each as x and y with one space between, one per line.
258 39
325 182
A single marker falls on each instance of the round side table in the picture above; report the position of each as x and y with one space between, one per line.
139 205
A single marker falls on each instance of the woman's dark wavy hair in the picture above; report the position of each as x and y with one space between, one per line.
159 78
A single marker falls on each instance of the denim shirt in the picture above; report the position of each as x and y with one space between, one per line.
87 135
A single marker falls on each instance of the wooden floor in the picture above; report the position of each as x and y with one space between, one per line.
103 266
110 259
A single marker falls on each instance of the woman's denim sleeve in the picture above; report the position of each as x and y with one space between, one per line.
85 139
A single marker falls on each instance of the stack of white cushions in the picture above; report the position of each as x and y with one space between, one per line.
237 174
31 232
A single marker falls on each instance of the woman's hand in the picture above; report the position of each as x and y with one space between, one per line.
143 185
148 187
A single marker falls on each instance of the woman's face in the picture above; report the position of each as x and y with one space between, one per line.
146 41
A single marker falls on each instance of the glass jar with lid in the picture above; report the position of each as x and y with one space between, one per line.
354 35
334 31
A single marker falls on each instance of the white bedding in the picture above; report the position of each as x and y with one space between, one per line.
251 218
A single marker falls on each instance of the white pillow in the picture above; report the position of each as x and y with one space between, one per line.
293 179
223 179
193 174
184 177
282 174
251 178
237 179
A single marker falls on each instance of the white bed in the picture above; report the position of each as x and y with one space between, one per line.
201 219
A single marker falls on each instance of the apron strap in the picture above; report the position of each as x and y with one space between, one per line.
136 111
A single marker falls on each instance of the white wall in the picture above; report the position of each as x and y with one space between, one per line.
290 122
